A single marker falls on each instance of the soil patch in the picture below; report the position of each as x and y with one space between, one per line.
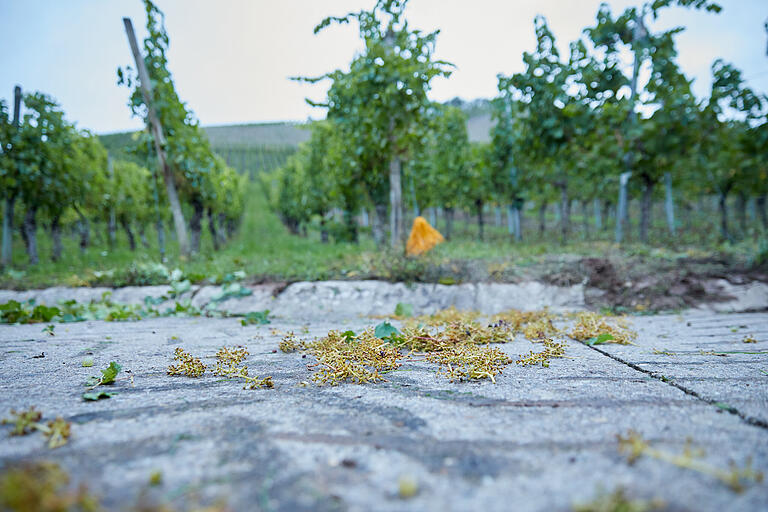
652 285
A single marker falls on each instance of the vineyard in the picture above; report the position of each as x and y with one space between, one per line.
555 298
601 152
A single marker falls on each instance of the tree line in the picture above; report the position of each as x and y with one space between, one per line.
53 173
579 127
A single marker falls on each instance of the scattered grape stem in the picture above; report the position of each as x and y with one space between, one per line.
684 460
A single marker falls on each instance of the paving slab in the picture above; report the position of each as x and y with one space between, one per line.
538 439
751 296
705 354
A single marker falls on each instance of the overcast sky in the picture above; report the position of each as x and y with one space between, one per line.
231 59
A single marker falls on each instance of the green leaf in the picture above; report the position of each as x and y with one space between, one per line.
723 406
43 313
98 395
255 317
87 362
600 339
154 301
404 309
349 335
108 375
231 290
180 287
385 330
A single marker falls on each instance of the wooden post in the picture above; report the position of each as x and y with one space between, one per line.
416 209
395 203
395 192
112 221
597 213
669 204
158 219
621 209
7 250
396 225
157 135
565 211
639 33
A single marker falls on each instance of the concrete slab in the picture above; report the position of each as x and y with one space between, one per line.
539 439
743 297
706 355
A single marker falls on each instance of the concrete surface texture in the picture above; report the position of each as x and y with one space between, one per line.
349 298
538 439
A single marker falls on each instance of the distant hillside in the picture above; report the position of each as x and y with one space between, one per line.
117 142
249 148
257 147
479 128
256 134
292 134
479 121
262 134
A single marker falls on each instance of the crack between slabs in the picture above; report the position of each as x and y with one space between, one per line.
750 420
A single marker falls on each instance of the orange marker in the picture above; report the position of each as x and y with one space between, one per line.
423 237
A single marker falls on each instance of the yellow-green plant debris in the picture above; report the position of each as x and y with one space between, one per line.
468 361
359 358
407 487
454 340
593 328
228 364
156 478
42 487
634 446
518 320
421 338
188 365
552 349
450 315
228 361
25 422
57 432
539 329
618 501
477 333
255 382
288 344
